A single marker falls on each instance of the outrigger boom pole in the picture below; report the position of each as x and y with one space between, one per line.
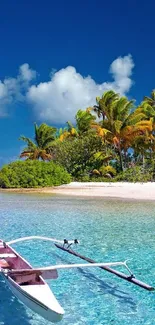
130 278
61 244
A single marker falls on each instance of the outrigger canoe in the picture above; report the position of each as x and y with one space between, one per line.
28 285
30 288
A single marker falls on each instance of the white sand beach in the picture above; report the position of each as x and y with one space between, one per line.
138 191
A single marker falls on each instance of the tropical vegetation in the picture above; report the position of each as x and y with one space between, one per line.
113 140
39 148
33 173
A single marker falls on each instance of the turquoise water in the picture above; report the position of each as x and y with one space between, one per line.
109 230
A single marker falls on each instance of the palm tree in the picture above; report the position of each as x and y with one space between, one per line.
142 146
71 129
68 132
104 103
122 122
84 121
148 107
40 147
150 100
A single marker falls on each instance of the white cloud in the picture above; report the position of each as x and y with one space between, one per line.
67 91
121 70
25 73
13 89
58 99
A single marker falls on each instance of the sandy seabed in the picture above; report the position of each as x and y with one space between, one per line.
138 191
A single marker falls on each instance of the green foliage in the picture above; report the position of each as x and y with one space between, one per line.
84 120
76 155
39 149
21 174
102 157
92 149
135 174
102 179
108 171
104 104
83 178
87 178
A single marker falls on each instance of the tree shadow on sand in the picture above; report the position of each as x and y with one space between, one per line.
12 312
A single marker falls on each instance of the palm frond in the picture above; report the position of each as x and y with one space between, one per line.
44 155
26 154
48 141
117 126
148 109
30 143
135 118
150 100
123 108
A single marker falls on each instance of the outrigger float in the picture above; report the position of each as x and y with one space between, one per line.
28 285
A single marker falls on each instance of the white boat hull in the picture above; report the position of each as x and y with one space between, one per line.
38 298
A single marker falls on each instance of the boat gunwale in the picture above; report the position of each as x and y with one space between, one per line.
43 282
16 286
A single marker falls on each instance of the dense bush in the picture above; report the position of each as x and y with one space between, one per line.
96 179
135 174
32 173
76 155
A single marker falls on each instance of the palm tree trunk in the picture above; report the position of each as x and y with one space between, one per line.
120 157
143 158
125 159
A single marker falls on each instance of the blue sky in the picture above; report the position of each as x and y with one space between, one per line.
57 56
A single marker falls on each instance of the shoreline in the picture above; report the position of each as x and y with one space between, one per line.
122 190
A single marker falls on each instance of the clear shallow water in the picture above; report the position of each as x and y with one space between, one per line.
109 230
